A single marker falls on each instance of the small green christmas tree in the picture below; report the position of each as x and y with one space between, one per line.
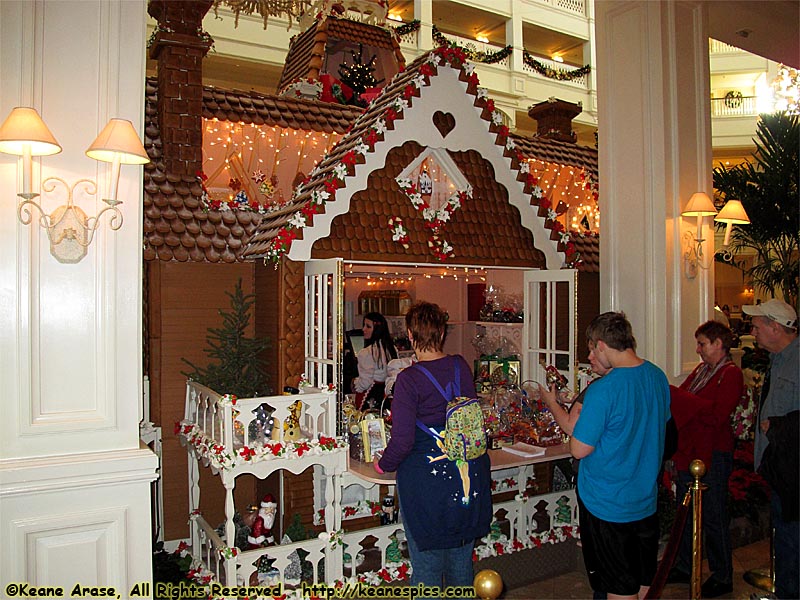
235 367
295 530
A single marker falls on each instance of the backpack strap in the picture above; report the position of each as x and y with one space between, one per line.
454 393
453 384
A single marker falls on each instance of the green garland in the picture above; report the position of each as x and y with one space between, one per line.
472 54
560 74
407 28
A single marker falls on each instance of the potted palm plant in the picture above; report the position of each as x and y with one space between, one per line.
767 188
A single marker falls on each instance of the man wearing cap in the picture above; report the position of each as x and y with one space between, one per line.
776 447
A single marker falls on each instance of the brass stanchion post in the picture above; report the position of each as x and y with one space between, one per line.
697 469
764 579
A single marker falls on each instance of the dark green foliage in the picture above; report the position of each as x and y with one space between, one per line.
296 531
768 190
170 568
234 367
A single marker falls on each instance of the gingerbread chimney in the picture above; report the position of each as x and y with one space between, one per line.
179 45
554 119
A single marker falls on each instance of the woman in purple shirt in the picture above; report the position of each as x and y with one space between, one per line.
441 524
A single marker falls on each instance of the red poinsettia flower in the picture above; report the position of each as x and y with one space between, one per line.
503 131
370 138
247 453
498 547
301 447
177 427
402 572
384 574
408 91
349 158
390 115
426 69
331 185
490 105
276 449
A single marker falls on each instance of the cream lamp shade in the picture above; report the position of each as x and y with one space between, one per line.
24 131
119 141
699 205
732 213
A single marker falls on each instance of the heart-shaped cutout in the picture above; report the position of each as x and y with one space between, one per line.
444 122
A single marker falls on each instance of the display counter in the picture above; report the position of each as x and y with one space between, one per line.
500 460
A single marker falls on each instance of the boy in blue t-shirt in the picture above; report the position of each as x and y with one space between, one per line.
620 439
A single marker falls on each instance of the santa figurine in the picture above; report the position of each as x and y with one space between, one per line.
261 531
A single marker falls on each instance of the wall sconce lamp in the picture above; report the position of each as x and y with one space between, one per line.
732 213
69 229
700 206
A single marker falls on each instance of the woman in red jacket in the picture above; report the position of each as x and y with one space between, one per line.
702 407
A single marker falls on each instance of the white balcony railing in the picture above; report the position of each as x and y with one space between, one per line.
744 106
717 47
573 6
478 47
582 81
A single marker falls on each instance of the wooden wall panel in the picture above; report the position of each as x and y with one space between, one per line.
185 300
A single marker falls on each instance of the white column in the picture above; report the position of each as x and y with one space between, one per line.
423 10
654 153
74 481
515 38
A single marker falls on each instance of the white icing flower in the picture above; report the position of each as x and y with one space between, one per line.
443 215
403 182
510 144
340 170
419 80
434 59
416 200
298 220
537 192
525 167
380 126
497 118
400 104
551 214
482 92
319 196
564 237
428 213
361 148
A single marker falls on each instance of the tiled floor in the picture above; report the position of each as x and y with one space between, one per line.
575 584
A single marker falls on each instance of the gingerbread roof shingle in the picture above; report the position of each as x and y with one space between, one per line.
278 231
558 152
589 248
362 232
176 227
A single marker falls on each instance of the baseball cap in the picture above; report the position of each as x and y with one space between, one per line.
776 310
